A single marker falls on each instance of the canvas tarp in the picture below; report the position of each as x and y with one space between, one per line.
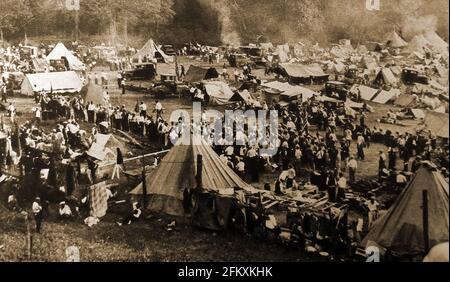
219 92
60 51
438 123
150 50
197 74
401 230
244 96
395 41
290 91
57 82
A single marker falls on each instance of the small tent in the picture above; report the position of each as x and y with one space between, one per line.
55 82
197 74
151 51
400 231
385 76
219 92
394 40
385 96
366 92
61 52
105 147
417 44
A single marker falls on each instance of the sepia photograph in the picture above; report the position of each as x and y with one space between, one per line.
224 131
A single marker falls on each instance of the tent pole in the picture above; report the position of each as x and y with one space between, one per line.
425 221
144 184
199 171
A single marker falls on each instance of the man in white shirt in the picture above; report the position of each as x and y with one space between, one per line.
37 212
158 109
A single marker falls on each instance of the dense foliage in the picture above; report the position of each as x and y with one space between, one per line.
224 21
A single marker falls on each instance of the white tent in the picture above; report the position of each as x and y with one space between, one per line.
150 50
61 52
435 40
55 82
219 92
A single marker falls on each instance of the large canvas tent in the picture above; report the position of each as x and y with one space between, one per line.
176 172
61 52
418 43
394 40
298 73
105 148
197 74
151 51
400 231
55 82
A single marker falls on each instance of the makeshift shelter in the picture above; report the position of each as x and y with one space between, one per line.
176 172
55 82
385 96
219 92
438 123
366 92
244 96
385 76
304 74
394 40
401 230
151 51
60 52
197 74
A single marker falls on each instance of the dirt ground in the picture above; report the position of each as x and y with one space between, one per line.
151 240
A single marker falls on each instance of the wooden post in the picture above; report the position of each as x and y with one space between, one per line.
199 171
425 221
144 184
28 238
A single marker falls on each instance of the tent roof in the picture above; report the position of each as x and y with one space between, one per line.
385 96
395 41
435 40
181 161
58 82
367 93
418 43
150 49
387 76
105 145
438 123
303 71
61 51
197 74
401 229
219 92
